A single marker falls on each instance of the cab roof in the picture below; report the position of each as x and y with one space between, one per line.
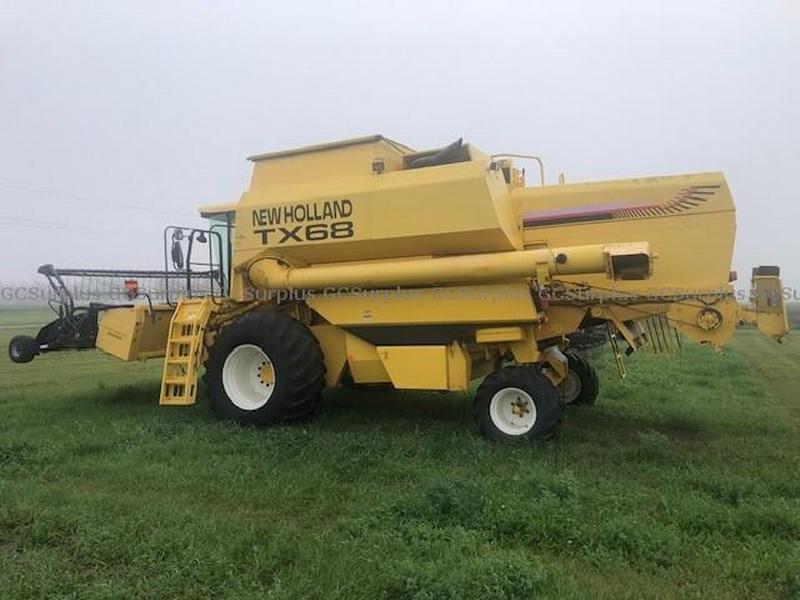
330 146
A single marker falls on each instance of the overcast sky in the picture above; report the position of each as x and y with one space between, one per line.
153 106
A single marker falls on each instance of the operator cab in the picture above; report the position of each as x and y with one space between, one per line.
221 220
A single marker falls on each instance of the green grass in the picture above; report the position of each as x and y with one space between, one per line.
793 309
25 320
684 481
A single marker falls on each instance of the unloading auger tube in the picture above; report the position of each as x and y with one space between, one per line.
617 261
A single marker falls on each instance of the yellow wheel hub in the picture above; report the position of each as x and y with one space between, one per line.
266 374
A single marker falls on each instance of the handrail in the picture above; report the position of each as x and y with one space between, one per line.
185 270
526 156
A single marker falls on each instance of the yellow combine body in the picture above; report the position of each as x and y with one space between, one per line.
366 262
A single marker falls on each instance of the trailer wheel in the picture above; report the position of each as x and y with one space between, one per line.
263 369
517 402
22 349
581 385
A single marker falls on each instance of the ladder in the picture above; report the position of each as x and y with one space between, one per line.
185 351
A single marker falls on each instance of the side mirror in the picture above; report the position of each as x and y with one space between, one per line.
177 250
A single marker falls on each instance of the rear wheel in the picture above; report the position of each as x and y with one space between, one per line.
263 369
22 349
517 402
581 385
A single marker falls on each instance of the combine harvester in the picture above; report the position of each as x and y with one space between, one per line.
366 262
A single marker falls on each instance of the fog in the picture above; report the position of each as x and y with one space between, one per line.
119 118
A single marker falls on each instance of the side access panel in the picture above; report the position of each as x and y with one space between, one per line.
427 367
416 367
432 367
134 332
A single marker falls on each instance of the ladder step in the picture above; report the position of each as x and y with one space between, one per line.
185 342
177 400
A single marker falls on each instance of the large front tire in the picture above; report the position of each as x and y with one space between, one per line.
517 402
263 369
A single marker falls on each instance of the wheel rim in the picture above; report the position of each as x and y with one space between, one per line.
571 387
248 377
513 411
16 351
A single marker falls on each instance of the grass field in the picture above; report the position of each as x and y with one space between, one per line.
683 481
793 308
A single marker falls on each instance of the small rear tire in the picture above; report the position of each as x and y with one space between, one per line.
581 385
517 402
22 349
263 369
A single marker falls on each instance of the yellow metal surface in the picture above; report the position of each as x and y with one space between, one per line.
347 159
526 350
134 333
416 367
690 317
688 221
426 367
185 347
560 321
329 205
769 306
365 364
428 306
493 335
333 344
556 363
459 368
458 208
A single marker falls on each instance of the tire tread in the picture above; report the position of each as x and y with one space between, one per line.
299 365
590 383
531 379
